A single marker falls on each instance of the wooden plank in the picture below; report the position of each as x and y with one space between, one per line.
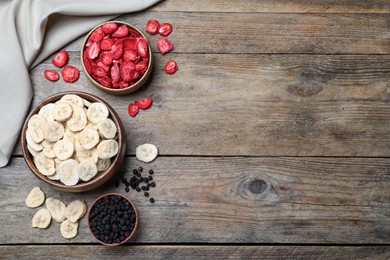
271 33
229 200
195 252
257 105
271 6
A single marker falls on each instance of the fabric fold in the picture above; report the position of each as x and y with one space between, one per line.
32 30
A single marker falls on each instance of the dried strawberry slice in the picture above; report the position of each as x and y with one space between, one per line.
144 103
87 63
117 49
141 67
152 27
51 75
129 43
105 67
106 44
105 81
93 51
165 29
60 59
109 27
132 110
106 58
127 70
115 74
130 55
121 32
133 33
97 35
164 45
142 47
171 67
70 73
98 71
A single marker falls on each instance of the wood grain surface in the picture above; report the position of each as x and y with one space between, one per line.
195 252
272 6
255 105
229 200
270 33
273 137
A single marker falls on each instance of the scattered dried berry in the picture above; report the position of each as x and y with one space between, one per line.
152 27
151 200
146 194
140 169
133 110
164 45
165 29
151 171
51 75
144 103
150 178
60 59
70 73
171 67
127 189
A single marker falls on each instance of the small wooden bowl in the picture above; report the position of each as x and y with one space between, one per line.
119 91
102 177
135 225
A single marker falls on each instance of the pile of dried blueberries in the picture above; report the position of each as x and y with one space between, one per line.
112 219
137 180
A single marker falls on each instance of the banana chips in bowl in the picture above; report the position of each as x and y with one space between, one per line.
73 141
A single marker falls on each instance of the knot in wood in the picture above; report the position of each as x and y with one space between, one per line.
258 186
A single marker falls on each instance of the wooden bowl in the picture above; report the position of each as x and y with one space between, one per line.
99 179
135 225
118 91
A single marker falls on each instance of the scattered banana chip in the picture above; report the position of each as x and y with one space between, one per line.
68 216
75 210
35 198
69 229
74 129
56 208
146 152
41 219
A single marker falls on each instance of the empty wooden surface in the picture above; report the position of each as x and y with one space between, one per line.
275 129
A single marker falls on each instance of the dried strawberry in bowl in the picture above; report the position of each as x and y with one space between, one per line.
116 57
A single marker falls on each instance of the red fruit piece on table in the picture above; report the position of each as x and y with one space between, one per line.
106 58
93 51
121 32
60 59
152 27
127 70
165 29
51 75
130 55
97 35
115 74
171 67
106 44
109 27
70 73
144 103
164 45
142 47
132 109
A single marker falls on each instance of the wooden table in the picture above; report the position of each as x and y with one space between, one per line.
274 137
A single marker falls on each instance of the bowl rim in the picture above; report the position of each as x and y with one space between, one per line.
82 186
132 205
130 88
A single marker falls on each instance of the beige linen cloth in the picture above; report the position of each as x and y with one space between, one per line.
31 30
